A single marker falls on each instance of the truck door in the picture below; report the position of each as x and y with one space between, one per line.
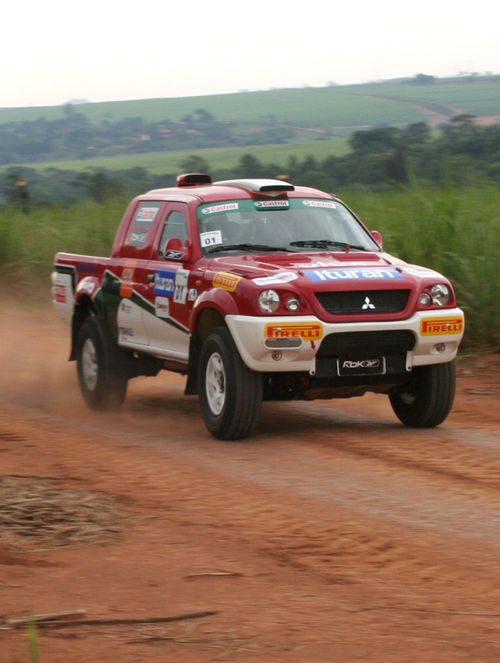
170 289
129 270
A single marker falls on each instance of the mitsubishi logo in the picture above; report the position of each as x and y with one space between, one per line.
367 304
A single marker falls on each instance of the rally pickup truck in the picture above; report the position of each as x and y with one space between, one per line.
257 289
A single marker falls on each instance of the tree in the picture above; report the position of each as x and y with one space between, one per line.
194 164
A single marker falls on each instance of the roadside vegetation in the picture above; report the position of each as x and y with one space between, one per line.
433 195
453 230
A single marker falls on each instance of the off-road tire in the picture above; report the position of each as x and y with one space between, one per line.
101 367
230 393
427 399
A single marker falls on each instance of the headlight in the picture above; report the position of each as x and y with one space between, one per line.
425 299
269 301
441 294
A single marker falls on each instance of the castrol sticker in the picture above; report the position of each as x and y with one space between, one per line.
308 331
441 326
226 281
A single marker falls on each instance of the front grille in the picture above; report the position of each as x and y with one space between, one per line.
363 301
364 344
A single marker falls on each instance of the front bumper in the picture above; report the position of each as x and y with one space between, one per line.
291 343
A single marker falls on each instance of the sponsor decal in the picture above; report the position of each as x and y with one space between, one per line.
308 331
441 326
164 282
89 267
281 277
267 204
224 207
181 289
162 307
127 332
352 274
146 214
127 283
60 293
126 307
172 254
319 203
414 270
192 294
211 238
226 281
362 363
138 238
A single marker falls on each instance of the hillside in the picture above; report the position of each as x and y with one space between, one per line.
341 109
272 124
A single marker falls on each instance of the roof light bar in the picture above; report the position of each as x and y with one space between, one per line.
191 179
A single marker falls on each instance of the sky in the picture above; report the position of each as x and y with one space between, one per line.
52 51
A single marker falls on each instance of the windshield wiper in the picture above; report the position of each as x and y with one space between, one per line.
245 247
326 243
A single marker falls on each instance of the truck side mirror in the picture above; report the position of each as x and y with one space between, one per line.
377 236
175 250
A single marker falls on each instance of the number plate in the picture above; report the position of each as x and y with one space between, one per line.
368 366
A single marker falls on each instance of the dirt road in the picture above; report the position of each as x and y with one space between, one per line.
333 535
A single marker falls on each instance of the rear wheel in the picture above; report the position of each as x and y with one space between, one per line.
101 367
230 393
426 400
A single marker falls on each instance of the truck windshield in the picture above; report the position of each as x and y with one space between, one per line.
294 224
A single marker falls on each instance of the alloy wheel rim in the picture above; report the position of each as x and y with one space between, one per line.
89 364
215 383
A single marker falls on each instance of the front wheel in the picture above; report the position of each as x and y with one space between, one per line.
426 400
101 367
230 393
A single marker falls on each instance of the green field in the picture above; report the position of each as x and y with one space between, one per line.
218 158
455 231
334 106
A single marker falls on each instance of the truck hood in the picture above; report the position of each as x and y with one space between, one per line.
321 267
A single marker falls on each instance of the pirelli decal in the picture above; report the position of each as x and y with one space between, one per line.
441 326
308 331
226 281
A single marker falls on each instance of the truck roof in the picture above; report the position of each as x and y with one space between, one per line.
189 189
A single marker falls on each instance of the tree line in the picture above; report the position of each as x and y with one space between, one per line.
73 137
461 152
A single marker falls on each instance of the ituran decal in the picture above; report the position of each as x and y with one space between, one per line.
351 274
281 277
164 282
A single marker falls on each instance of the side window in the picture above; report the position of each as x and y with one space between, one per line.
142 223
175 226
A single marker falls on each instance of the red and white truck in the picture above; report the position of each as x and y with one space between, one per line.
258 290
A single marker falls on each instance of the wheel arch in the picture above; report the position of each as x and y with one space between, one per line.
206 321
84 308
